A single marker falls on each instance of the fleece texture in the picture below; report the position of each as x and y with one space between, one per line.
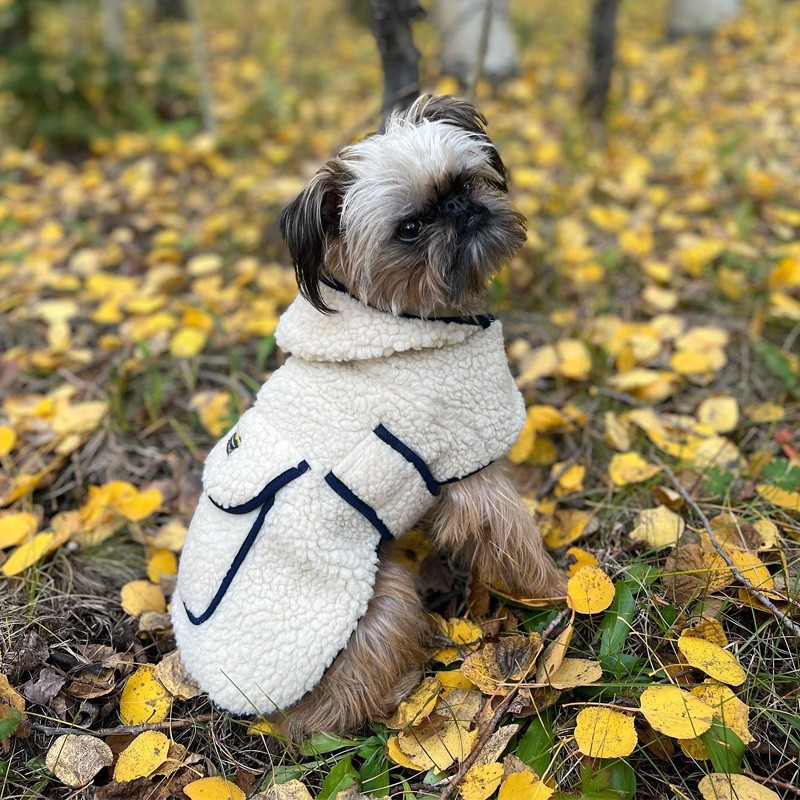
346 446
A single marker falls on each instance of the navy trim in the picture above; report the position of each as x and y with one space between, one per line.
409 455
273 486
468 475
484 320
366 510
266 498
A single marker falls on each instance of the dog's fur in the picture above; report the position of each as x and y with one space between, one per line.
416 220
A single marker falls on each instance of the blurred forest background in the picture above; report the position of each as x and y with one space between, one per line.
146 150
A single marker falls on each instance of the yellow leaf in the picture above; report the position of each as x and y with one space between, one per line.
398 756
568 525
576 672
709 629
763 413
145 753
144 699
172 675
524 785
463 633
453 680
570 480
498 666
426 747
521 449
7 440
162 562
539 363
675 712
728 708
574 360
605 733
753 568
785 274
779 497
616 432
28 554
140 596
416 706
658 527
626 468
590 591
291 790
187 342
75 759
263 727
215 788
481 781
768 531
711 659
170 536
9 698
582 559
214 409
204 264
722 786
719 413
554 654
16 526
139 505
80 417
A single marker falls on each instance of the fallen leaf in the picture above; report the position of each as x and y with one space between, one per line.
711 659
605 733
481 781
215 788
161 563
576 672
416 706
779 497
144 699
727 708
627 468
721 786
16 526
173 676
291 790
463 633
721 413
675 712
145 753
582 559
428 747
140 596
26 555
76 759
498 666
524 786
657 527
590 591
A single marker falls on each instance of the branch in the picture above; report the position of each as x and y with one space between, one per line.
486 733
787 623
52 730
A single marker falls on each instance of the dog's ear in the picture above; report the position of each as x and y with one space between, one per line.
461 114
309 222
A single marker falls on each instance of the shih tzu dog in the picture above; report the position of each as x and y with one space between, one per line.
391 410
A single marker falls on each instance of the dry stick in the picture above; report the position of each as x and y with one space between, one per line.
483 46
134 729
787 623
467 763
774 781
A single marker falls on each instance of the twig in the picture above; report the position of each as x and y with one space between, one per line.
553 480
774 781
787 623
51 730
483 46
623 397
467 763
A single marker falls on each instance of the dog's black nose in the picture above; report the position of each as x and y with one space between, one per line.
456 204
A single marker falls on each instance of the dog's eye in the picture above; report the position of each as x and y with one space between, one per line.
467 185
409 230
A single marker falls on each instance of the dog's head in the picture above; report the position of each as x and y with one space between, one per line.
416 219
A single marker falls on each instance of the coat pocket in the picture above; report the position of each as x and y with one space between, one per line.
386 481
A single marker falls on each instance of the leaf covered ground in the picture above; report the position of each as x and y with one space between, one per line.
652 320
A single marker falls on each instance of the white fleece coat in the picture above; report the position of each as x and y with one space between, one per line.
346 446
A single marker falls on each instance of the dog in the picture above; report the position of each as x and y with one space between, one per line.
394 407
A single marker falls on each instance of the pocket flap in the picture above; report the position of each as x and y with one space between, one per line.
244 462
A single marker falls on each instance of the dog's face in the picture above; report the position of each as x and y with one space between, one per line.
416 219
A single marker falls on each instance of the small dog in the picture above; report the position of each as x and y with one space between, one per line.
394 406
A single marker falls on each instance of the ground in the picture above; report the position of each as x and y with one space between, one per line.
652 320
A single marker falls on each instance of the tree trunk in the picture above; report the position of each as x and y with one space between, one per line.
460 25
169 9
602 47
699 17
200 58
391 25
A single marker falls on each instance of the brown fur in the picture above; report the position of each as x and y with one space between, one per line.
379 666
483 520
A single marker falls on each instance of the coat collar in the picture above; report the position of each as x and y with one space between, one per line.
358 332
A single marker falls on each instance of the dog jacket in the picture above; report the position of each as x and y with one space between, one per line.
347 445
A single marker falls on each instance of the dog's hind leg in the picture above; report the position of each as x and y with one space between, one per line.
380 665
483 520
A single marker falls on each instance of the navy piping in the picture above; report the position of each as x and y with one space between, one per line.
366 510
266 499
484 320
462 477
409 455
